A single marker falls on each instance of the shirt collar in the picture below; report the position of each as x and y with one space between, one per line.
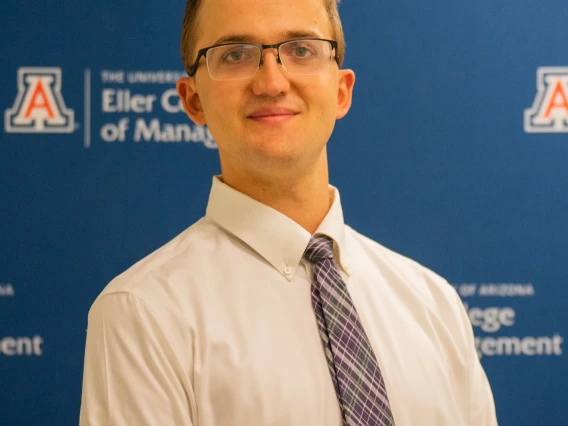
277 238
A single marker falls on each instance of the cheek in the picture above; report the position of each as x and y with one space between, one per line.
327 108
323 96
219 101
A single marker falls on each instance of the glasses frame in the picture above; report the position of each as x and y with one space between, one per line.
202 53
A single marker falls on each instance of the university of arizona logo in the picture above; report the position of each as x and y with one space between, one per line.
549 113
39 105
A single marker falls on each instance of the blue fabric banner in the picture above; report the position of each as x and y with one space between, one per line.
454 154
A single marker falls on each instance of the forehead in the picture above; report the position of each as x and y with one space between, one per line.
261 21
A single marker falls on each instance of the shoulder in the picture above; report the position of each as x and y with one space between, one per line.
404 271
420 290
374 249
192 247
160 297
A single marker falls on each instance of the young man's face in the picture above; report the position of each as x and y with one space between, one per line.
274 119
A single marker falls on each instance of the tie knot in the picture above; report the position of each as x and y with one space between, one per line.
320 247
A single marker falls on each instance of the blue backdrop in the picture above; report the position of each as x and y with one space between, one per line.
454 154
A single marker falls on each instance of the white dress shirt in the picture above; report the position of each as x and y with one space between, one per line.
216 328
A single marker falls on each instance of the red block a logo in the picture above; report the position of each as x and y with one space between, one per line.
549 113
39 105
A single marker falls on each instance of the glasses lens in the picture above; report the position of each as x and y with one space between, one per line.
305 57
233 62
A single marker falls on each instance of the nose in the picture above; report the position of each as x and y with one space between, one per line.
270 79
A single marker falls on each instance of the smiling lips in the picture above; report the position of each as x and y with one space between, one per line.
272 115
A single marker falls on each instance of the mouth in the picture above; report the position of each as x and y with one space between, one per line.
272 115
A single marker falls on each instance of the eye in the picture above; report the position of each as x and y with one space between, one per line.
301 51
235 56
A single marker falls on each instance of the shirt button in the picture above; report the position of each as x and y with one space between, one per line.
287 270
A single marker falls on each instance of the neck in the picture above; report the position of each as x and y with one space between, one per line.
305 198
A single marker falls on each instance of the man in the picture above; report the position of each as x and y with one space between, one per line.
269 310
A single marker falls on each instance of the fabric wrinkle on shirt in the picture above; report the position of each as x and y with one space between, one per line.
216 328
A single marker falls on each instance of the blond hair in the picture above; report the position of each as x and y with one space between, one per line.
189 30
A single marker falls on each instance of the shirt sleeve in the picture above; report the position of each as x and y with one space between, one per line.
131 373
482 405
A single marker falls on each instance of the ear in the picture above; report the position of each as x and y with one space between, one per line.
187 92
345 94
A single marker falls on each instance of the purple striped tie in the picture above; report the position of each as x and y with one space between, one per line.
354 370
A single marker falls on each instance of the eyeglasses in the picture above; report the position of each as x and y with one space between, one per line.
236 61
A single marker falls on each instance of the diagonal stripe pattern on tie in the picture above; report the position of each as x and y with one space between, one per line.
352 364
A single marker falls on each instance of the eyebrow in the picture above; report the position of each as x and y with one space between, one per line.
248 38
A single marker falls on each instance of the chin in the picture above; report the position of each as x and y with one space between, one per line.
274 153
